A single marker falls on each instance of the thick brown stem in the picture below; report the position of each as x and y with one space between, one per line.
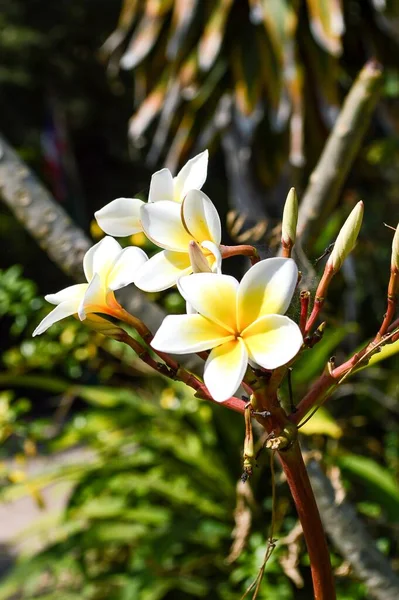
302 493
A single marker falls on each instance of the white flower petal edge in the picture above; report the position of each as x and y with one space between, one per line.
272 340
95 297
69 293
101 256
225 369
63 310
162 224
214 249
121 217
126 267
192 176
162 271
266 288
184 334
200 217
161 186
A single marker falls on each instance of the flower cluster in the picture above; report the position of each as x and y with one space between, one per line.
239 323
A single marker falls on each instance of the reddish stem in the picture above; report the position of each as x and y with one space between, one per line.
321 388
391 304
302 493
304 298
243 250
321 293
178 372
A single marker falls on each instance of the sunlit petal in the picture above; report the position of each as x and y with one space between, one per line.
265 289
161 186
192 176
184 334
215 258
94 298
272 340
225 369
65 309
163 225
162 271
213 296
200 217
126 267
120 217
101 257
70 293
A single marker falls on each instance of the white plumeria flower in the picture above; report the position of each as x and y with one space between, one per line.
191 177
121 217
173 226
107 268
237 321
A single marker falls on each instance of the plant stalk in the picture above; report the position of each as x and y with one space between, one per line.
302 493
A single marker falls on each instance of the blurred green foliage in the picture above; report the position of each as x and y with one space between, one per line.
154 509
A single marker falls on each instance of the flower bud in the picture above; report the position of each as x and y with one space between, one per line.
347 237
103 326
395 250
197 259
290 219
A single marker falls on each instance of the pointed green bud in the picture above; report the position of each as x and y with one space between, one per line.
347 237
290 219
197 258
395 250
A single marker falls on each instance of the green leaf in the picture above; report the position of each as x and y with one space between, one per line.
378 481
322 423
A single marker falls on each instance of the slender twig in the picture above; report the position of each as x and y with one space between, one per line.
320 297
178 372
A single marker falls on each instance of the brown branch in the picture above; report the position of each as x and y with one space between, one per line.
338 155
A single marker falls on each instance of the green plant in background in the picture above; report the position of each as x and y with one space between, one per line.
115 537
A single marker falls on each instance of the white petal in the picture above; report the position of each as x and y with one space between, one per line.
120 217
184 334
70 293
267 288
162 271
161 186
214 296
65 309
192 176
215 256
225 369
101 257
272 341
200 217
94 298
163 225
125 268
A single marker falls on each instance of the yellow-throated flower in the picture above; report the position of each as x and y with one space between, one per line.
174 226
121 217
107 268
237 321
